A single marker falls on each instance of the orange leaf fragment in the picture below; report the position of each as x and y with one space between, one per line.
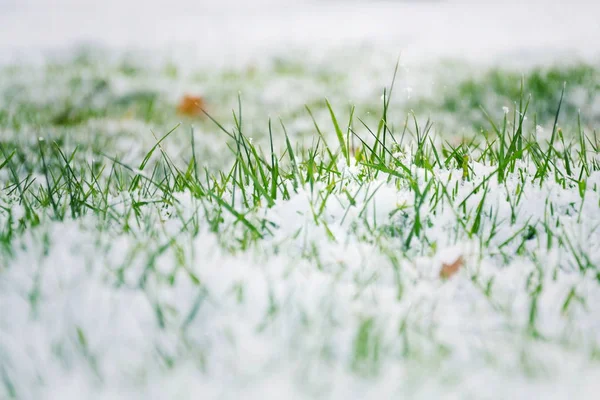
450 269
191 106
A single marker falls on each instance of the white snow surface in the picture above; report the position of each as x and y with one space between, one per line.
234 32
260 322
258 326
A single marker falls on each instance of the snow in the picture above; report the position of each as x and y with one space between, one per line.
257 324
237 32
243 349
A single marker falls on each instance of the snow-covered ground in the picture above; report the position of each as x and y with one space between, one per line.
337 299
234 32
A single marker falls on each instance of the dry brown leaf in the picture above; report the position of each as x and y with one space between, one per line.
191 106
450 269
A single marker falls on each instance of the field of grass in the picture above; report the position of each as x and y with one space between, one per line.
316 234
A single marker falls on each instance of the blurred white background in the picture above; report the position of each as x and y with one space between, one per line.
235 31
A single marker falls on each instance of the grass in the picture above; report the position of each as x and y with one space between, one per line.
497 88
313 257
